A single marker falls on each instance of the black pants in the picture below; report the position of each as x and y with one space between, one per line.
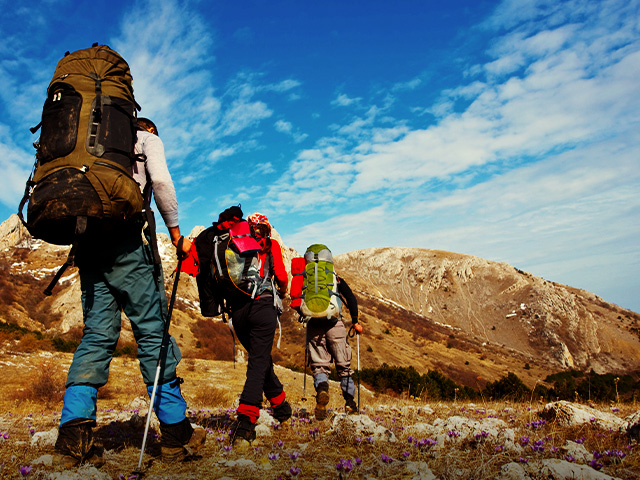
255 325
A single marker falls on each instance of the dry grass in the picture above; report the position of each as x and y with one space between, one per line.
211 388
47 387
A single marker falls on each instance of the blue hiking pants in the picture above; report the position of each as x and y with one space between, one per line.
119 276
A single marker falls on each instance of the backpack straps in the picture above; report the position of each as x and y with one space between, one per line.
81 228
151 226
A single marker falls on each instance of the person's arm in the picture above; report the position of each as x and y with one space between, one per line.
163 190
350 299
279 270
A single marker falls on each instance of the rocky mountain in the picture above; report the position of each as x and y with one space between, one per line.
469 318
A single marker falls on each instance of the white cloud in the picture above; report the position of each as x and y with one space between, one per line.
285 127
243 115
285 86
534 162
344 100
558 104
412 84
15 166
264 168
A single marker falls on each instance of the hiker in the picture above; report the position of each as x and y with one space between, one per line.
117 273
319 305
255 322
239 271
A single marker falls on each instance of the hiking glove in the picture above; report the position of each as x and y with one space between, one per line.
357 327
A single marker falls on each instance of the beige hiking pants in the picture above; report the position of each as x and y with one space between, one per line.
327 342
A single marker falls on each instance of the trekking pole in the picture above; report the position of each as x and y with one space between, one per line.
306 357
358 350
233 336
355 330
161 355
304 381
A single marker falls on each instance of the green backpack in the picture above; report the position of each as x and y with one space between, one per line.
320 298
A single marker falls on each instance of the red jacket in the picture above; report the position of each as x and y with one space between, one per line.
279 271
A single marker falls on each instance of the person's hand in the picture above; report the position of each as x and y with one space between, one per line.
183 250
357 327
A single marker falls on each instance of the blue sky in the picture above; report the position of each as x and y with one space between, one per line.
507 130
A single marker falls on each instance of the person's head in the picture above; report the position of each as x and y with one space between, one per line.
230 216
260 225
148 125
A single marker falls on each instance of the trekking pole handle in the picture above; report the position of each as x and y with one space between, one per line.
181 254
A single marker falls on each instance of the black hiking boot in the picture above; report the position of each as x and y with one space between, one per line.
242 430
74 444
350 405
180 440
282 412
322 400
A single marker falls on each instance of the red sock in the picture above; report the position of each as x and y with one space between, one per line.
250 411
277 400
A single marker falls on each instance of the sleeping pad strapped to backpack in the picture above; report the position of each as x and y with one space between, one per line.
314 284
229 265
82 179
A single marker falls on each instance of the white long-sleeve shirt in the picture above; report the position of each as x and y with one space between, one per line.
155 165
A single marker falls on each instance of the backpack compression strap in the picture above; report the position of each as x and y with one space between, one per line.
81 227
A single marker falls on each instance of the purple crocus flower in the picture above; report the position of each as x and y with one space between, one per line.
344 465
538 446
595 464
25 470
386 458
294 471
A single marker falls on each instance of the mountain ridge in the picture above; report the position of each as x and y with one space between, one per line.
470 318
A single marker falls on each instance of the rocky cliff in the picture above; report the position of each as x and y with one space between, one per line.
470 318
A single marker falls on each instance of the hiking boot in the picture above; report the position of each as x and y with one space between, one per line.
322 400
74 444
178 454
350 405
94 457
172 447
242 430
282 412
